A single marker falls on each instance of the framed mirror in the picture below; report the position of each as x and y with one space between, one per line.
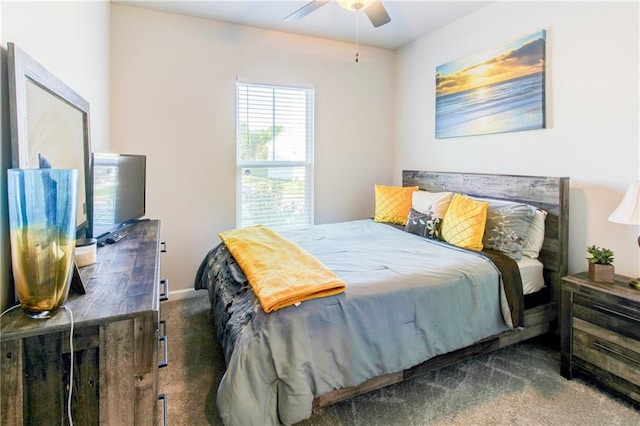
49 126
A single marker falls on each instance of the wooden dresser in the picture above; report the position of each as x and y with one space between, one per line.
600 333
115 344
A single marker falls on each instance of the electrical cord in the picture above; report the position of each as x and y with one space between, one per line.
10 309
70 367
71 361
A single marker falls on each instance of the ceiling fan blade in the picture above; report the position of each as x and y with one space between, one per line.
305 10
377 14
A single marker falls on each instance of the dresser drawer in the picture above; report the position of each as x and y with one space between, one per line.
607 349
608 314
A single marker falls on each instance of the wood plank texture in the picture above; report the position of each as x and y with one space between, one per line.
548 193
629 390
86 397
11 373
146 367
117 403
115 347
600 333
610 357
566 332
350 392
117 276
45 390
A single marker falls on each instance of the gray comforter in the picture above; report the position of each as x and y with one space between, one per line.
407 299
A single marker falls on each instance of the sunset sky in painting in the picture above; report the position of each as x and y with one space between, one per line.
516 59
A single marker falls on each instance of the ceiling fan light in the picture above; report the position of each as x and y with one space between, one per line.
355 4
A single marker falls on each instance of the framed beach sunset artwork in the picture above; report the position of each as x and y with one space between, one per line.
493 91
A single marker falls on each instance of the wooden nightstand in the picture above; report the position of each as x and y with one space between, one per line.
600 332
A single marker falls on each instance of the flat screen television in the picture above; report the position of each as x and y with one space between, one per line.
119 182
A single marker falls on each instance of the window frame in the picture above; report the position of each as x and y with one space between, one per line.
307 164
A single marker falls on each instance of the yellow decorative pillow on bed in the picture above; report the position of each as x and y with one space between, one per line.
393 203
463 223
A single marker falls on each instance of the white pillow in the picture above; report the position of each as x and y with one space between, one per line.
535 237
436 202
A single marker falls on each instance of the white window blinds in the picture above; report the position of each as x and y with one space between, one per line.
274 166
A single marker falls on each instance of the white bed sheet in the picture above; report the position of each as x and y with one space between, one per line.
531 274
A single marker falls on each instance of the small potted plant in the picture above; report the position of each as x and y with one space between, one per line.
601 264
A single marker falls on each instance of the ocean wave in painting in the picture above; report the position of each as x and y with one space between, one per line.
506 106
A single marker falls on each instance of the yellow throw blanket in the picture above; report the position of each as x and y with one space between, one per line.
280 272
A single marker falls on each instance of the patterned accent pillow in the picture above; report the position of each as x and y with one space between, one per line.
464 222
393 203
507 226
424 224
435 202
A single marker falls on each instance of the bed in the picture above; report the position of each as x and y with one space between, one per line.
410 305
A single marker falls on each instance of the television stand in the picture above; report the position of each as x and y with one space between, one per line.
116 344
116 234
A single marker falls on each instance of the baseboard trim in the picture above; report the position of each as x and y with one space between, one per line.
185 294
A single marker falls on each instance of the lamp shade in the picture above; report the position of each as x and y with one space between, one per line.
628 212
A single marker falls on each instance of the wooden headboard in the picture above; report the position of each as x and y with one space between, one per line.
548 193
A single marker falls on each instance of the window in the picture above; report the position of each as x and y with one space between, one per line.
274 161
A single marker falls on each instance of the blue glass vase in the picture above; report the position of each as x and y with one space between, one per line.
42 229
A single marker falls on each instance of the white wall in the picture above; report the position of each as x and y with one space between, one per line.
173 99
70 39
592 112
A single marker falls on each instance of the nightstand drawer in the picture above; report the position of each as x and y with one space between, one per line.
609 350
625 320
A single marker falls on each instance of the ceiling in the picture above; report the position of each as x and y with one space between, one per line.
410 19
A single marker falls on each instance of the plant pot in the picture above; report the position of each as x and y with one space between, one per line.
602 273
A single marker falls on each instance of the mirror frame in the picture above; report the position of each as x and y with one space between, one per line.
23 69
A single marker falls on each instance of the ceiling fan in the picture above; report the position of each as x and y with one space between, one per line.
374 10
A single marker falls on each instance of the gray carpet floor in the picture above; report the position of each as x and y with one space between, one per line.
518 385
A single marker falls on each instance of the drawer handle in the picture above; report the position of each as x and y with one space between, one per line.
614 352
164 294
164 341
163 397
163 247
611 311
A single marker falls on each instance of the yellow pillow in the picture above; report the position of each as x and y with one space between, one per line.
393 203
463 223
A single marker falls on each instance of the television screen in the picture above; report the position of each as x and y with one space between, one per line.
118 191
